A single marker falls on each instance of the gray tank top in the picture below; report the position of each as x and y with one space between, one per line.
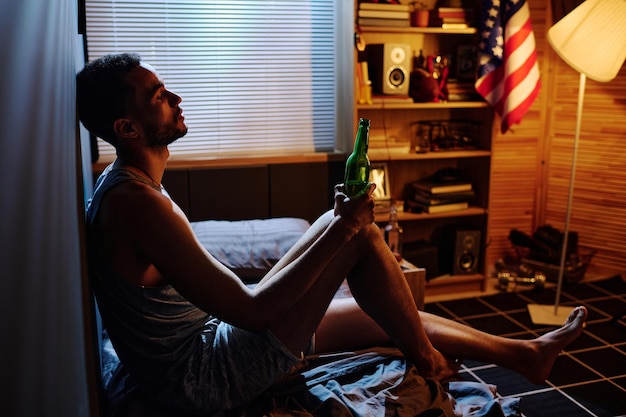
155 331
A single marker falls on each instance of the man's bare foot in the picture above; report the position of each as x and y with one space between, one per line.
536 368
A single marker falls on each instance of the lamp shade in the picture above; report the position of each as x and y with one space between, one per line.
592 38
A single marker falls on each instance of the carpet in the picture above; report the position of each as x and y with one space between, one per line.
589 376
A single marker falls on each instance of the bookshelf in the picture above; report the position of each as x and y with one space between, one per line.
392 142
416 30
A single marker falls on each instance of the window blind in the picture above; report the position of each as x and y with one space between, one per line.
255 77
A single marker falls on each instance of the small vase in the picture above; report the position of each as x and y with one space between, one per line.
419 18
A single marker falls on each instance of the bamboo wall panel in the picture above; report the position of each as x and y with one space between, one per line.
599 199
531 164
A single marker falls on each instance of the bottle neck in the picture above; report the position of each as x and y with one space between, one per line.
393 214
361 141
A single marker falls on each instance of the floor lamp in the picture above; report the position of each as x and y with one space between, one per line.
592 40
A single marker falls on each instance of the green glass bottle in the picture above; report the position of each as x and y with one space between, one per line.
358 164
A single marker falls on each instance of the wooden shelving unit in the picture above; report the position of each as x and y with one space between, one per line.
381 155
424 106
406 217
416 30
397 121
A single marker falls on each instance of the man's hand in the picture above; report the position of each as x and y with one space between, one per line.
357 210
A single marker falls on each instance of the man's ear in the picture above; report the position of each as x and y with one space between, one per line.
124 128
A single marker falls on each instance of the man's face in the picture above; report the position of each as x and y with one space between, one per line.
155 109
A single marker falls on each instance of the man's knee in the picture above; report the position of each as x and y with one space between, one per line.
371 234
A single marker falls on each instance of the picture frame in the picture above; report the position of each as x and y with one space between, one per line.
379 175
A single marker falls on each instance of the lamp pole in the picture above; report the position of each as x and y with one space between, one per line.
568 212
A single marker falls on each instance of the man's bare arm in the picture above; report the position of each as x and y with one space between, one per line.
158 232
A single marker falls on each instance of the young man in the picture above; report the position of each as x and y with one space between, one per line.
187 329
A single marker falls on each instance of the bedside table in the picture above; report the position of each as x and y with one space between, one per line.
416 278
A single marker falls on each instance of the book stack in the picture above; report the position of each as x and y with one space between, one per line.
383 14
451 17
430 196
462 90
382 143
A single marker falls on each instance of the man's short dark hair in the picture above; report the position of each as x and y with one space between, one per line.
103 92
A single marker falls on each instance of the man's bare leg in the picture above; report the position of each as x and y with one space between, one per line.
381 290
367 260
297 327
531 358
378 297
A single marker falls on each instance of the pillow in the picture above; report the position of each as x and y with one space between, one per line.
249 247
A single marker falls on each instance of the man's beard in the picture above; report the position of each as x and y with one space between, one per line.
164 137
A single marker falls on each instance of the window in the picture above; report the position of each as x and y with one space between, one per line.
256 76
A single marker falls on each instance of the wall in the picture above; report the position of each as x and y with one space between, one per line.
531 164
599 199
42 354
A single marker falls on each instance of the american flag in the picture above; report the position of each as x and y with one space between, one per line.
508 74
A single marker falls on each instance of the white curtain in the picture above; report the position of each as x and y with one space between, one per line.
42 354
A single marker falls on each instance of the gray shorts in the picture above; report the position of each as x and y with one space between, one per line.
236 366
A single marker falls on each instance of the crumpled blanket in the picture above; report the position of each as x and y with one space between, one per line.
371 383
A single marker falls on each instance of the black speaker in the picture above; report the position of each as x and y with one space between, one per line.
389 67
460 251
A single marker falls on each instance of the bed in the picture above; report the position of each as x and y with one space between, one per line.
369 383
